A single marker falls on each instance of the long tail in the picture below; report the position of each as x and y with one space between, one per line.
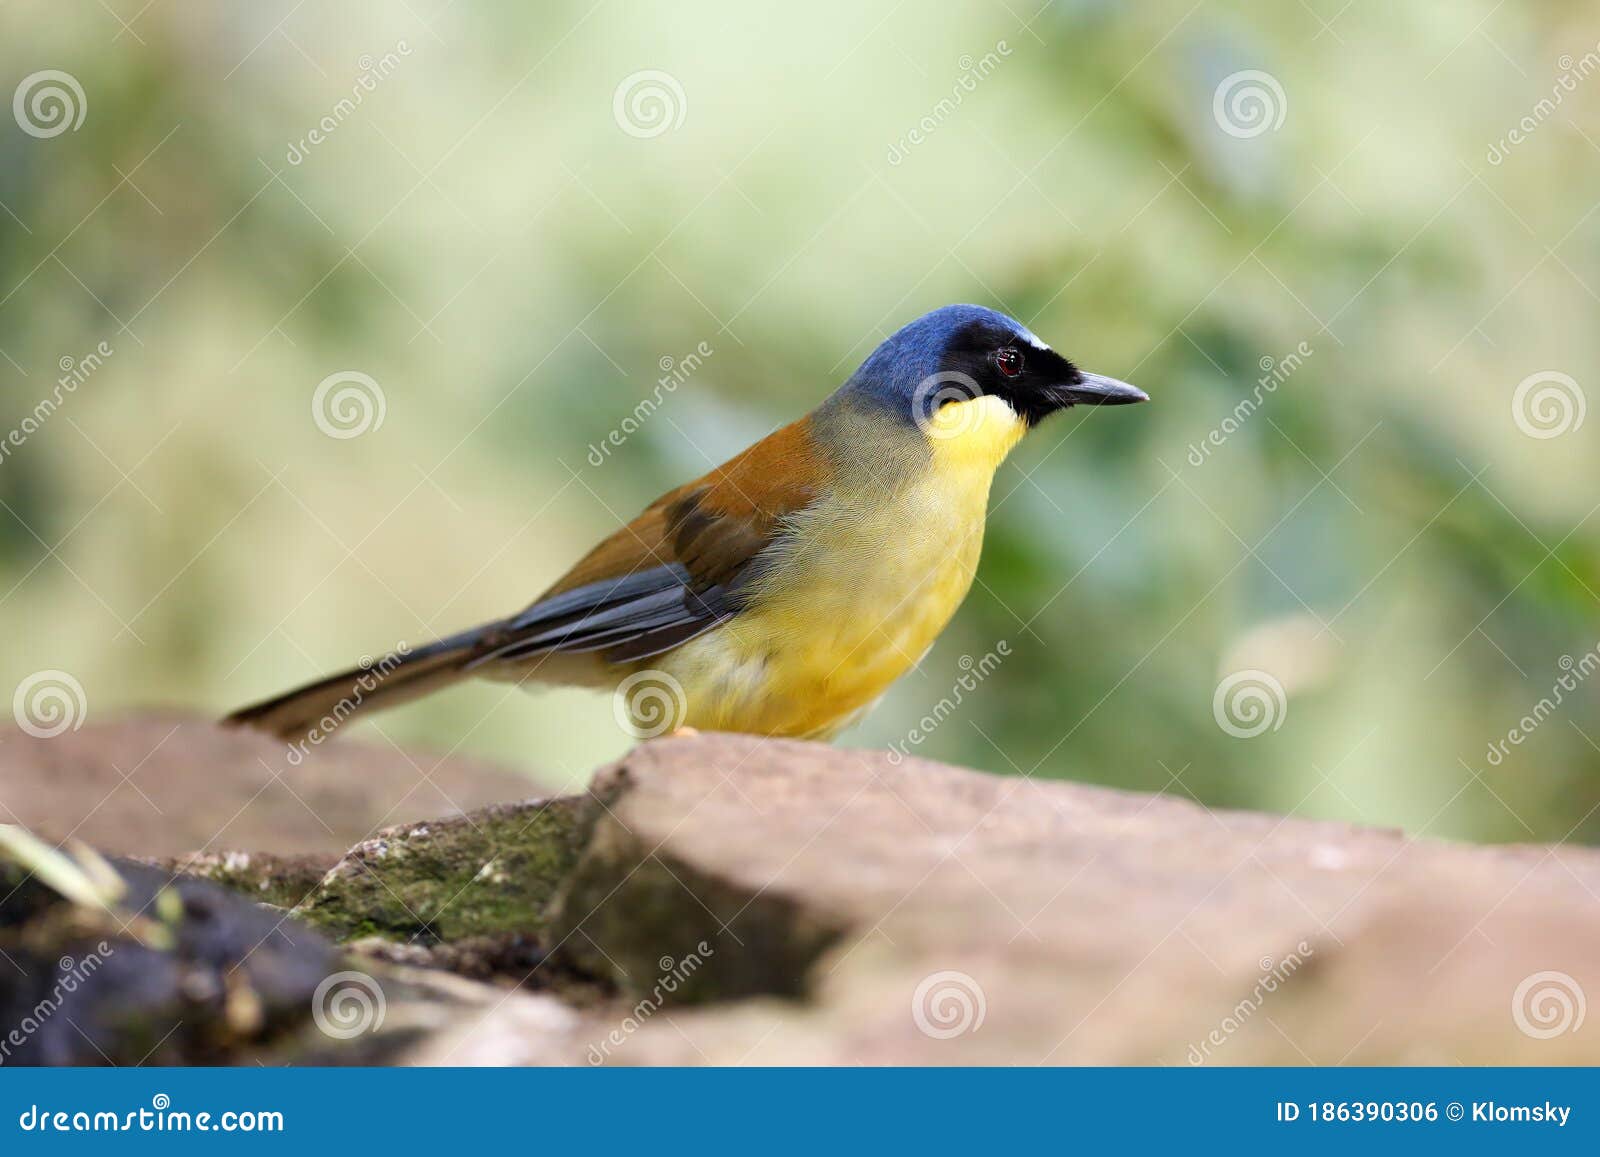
388 682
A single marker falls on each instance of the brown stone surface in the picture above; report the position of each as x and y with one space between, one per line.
162 785
1099 926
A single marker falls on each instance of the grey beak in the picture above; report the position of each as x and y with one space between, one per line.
1096 390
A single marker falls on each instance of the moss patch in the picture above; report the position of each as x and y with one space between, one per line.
484 874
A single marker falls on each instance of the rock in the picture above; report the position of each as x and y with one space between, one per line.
730 900
511 957
278 881
396 1014
458 1022
926 914
164 785
487 874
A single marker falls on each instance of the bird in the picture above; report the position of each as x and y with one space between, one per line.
781 593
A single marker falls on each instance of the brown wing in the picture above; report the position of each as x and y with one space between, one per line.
678 569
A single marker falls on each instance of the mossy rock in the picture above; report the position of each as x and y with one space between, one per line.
277 881
488 873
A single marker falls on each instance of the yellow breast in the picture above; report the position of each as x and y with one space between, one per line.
879 566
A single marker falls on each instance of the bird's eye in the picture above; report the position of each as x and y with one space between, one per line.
1009 360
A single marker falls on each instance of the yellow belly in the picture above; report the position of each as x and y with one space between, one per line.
879 571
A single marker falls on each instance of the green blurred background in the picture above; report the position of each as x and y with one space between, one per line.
483 236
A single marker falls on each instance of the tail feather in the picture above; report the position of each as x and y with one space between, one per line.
388 682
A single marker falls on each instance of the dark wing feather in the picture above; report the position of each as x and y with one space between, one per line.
679 569
641 623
